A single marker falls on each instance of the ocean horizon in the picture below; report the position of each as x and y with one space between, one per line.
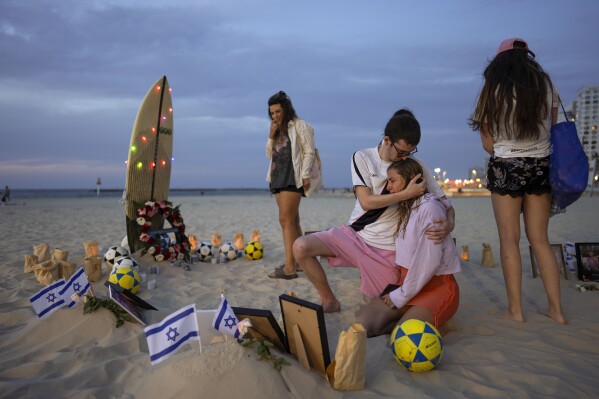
31 193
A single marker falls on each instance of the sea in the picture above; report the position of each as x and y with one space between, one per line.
25 194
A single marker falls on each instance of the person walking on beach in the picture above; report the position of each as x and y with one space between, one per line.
366 241
6 194
290 148
426 289
514 113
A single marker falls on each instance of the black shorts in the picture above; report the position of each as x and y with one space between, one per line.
518 176
293 189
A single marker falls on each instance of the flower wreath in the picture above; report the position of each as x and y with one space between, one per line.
176 251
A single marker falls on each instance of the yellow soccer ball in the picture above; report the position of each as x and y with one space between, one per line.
254 250
127 278
416 345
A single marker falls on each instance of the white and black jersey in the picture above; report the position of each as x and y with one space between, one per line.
377 226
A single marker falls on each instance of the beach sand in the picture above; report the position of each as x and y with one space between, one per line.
84 356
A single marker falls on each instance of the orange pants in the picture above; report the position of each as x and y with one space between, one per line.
441 295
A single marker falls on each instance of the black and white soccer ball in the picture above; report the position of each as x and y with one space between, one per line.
228 250
114 253
205 251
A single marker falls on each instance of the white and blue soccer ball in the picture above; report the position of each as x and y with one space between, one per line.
114 253
205 251
228 250
125 261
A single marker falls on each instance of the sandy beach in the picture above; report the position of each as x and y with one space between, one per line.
73 355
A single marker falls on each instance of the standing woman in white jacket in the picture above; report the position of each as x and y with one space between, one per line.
290 148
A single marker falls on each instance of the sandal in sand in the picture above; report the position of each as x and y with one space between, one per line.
280 273
297 269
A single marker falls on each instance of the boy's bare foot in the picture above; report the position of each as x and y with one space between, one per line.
332 307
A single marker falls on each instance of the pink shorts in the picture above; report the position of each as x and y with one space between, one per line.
441 296
377 266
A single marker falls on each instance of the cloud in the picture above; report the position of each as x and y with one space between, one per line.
75 73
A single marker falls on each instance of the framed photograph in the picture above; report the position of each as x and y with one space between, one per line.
135 314
137 301
306 332
587 259
558 250
264 326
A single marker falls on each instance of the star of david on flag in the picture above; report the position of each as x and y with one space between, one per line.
48 299
166 337
77 284
225 320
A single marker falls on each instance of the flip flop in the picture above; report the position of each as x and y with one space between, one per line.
279 273
281 267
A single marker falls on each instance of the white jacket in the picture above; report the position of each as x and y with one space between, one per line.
302 155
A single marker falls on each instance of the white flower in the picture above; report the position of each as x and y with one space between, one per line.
141 221
244 326
150 204
151 250
159 257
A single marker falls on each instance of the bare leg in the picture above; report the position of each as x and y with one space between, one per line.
378 318
507 217
305 250
299 234
418 312
288 203
536 220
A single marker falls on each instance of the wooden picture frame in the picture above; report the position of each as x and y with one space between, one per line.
264 326
558 251
306 332
587 260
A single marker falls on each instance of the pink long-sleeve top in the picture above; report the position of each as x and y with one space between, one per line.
420 255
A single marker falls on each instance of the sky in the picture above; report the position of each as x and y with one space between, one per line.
73 75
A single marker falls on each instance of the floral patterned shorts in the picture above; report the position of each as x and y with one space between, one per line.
518 176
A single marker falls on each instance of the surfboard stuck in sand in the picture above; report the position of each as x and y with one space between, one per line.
150 157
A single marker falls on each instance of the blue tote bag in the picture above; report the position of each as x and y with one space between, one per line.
568 165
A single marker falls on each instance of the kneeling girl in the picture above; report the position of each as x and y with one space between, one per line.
427 289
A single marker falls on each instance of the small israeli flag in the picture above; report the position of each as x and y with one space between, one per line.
77 284
166 337
225 320
48 299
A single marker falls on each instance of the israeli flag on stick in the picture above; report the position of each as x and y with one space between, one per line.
77 284
166 337
225 320
48 299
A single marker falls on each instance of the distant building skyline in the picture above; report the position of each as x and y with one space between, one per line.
585 110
